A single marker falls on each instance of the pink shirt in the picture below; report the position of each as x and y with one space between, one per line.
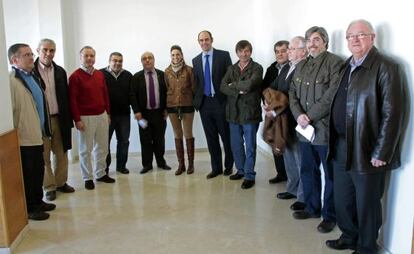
48 75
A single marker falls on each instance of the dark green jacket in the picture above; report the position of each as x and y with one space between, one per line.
243 108
312 89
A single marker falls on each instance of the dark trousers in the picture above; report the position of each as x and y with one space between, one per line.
312 157
33 167
153 138
280 165
214 122
357 202
122 126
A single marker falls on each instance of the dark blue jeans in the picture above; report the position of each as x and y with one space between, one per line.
312 157
122 126
243 146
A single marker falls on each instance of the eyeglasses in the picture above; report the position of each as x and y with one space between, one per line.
360 36
295 48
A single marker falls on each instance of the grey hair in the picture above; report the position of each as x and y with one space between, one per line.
301 39
363 21
321 31
46 40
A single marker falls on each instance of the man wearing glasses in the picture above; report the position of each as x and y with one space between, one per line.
31 119
291 155
365 130
311 91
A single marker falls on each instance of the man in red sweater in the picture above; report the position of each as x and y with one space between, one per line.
89 104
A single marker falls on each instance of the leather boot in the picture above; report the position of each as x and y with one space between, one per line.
190 153
179 147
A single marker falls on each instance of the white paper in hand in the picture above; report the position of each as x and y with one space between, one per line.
308 132
143 123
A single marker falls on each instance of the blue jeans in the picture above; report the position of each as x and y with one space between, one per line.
121 125
312 157
243 146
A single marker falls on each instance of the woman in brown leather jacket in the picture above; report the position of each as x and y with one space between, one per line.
180 91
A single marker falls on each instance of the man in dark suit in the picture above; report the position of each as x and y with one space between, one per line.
148 99
272 72
209 69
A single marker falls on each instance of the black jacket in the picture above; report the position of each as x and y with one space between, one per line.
138 92
221 61
118 91
374 114
62 97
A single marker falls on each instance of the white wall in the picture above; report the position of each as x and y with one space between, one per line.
6 122
133 27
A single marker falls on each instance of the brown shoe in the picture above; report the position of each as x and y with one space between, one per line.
179 148
190 153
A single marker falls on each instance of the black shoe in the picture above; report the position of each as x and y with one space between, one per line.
123 170
50 195
326 226
247 184
39 215
302 215
278 179
106 179
89 185
340 244
145 170
236 177
165 167
356 252
213 174
285 195
65 188
46 207
298 206
228 171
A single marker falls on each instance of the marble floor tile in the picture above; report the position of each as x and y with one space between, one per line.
159 212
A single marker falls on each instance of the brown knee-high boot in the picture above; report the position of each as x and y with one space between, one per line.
190 153
179 146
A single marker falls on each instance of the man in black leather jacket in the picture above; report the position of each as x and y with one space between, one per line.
365 125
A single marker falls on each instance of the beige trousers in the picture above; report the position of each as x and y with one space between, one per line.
185 124
56 170
93 140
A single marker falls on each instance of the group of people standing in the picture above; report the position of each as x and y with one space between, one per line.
353 107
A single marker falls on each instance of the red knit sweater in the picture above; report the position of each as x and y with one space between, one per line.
88 94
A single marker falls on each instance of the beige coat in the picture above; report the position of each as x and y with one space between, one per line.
25 116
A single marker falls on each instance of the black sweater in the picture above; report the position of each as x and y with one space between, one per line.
118 91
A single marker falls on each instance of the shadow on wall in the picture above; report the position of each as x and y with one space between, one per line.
338 43
383 44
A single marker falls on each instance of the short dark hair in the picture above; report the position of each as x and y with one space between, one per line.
204 31
243 44
177 48
14 49
115 54
87 47
280 44
321 31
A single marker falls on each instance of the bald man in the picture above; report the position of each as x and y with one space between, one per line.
148 99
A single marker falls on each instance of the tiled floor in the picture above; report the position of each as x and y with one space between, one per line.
161 213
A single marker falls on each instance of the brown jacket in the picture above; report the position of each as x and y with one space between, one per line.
180 87
276 129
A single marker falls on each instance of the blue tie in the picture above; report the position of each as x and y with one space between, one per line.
207 79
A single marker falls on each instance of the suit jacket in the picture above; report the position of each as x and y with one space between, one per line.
221 61
62 97
138 92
